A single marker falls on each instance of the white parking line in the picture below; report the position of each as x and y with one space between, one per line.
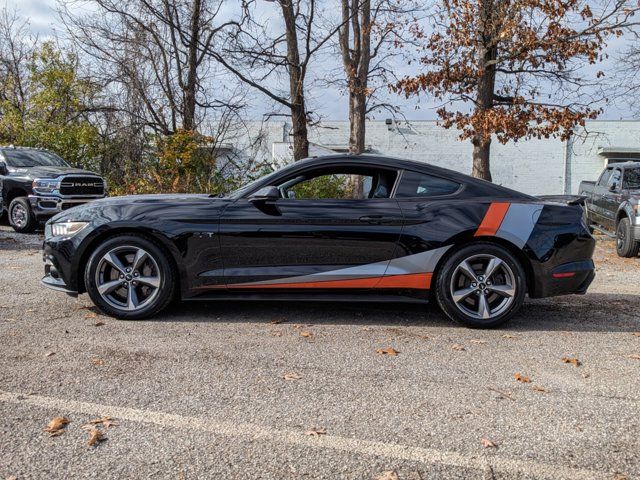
345 444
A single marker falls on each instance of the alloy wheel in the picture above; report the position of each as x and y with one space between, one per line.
483 286
19 215
128 278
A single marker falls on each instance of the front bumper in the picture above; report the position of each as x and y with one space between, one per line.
47 206
52 277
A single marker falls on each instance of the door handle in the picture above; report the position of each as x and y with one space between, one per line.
377 219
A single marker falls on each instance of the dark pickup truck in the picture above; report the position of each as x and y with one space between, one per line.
612 205
36 184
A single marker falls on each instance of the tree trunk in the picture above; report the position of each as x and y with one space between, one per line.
357 117
481 150
296 83
299 129
487 53
189 107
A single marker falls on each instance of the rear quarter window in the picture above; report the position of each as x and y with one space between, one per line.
414 184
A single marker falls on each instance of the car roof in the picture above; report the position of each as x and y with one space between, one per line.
404 164
628 164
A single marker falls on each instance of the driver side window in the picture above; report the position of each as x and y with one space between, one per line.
332 186
352 183
614 179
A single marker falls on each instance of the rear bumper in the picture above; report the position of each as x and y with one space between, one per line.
568 278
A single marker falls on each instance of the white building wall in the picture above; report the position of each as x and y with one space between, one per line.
584 161
537 167
534 166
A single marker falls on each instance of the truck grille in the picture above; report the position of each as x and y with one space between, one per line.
82 186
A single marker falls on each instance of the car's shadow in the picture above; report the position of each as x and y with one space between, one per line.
596 312
11 240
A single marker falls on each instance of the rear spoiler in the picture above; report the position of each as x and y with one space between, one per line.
565 199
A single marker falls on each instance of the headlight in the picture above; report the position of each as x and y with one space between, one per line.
67 229
45 186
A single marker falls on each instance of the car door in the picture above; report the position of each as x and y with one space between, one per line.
315 236
611 199
597 201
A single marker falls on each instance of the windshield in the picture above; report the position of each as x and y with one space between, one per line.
247 188
632 179
33 158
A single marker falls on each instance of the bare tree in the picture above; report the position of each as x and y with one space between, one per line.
370 35
157 50
17 47
259 57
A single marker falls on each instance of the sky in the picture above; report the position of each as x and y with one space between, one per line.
327 102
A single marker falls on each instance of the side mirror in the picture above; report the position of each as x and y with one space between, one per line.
3 168
265 194
613 187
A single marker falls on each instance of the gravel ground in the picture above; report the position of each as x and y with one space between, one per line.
199 391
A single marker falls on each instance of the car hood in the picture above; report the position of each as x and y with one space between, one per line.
134 207
48 172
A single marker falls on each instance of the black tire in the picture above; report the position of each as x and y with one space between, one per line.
167 283
626 244
509 271
21 217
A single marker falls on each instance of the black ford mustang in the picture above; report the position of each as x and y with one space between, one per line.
333 228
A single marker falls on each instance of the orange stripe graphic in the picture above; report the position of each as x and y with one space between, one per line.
420 281
492 219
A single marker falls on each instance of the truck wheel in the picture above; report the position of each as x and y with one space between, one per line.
481 285
130 277
21 217
626 244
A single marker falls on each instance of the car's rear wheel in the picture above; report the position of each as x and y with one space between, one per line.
626 244
130 277
481 285
21 217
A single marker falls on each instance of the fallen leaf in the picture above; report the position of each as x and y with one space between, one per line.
306 334
12 477
99 323
486 443
56 426
478 342
316 431
572 360
457 347
392 352
95 436
104 421
97 361
506 335
292 376
276 321
522 378
539 389
30 310
388 475
620 476
637 334
90 315
50 354
634 356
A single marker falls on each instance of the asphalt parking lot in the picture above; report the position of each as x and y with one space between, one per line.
267 390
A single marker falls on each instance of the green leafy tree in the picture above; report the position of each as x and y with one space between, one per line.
54 110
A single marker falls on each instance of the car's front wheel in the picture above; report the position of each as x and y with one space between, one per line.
21 217
130 277
481 285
